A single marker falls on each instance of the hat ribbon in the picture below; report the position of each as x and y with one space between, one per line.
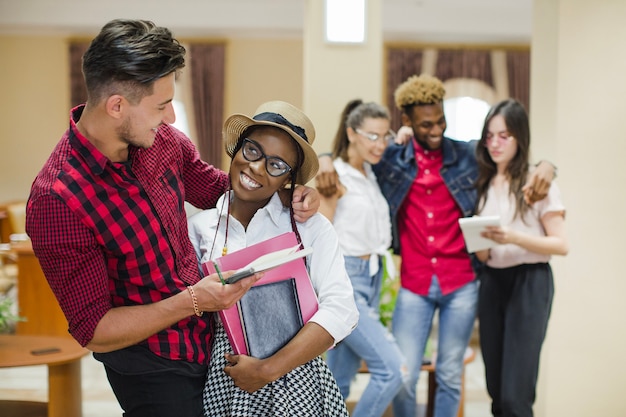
277 118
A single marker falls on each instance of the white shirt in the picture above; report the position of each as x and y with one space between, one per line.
337 312
362 215
501 203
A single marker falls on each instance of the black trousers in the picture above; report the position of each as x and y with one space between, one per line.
513 312
161 393
147 385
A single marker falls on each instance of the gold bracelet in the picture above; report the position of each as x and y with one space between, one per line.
194 300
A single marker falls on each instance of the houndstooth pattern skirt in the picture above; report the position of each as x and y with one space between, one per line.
307 391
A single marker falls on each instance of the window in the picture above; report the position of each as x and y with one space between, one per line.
465 117
181 122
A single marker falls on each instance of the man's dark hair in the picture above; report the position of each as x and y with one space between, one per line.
127 57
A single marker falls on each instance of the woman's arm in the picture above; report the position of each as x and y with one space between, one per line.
335 318
251 374
554 243
328 204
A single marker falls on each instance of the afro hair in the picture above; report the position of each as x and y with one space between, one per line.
417 90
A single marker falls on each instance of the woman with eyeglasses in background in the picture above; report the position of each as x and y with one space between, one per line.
517 287
360 215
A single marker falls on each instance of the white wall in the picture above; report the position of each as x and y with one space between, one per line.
577 115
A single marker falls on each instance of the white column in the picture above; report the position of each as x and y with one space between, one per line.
336 73
578 121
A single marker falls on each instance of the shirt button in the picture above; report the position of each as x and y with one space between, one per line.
431 238
433 260
429 192
429 215
427 171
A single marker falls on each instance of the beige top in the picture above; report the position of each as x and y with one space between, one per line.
501 203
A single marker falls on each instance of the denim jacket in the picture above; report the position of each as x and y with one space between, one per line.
398 169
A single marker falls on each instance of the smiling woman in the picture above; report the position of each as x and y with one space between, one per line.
272 151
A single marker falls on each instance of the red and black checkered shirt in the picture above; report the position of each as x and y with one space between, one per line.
115 234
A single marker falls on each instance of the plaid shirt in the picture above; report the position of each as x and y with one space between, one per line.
115 234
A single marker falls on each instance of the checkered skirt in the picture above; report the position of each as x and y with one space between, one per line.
307 391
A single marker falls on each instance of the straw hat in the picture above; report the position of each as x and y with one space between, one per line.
283 116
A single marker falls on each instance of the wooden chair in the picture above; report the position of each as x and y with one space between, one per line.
15 213
469 357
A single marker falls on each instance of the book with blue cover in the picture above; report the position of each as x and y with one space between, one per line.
266 317
270 314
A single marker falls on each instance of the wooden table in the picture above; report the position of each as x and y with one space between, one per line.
64 378
36 301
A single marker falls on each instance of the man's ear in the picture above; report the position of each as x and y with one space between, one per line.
114 106
405 120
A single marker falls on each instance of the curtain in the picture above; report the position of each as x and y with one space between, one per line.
207 83
461 63
464 63
78 91
518 69
401 64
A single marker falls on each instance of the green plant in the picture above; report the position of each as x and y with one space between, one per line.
388 294
7 317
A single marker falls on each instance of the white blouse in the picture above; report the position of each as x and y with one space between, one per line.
362 215
501 203
337 312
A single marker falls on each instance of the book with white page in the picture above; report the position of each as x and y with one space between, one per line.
269 261
472 227
286 306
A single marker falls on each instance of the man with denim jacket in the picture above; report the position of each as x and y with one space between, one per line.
429 185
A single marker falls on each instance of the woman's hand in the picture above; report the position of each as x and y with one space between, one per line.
247 373
499 234
404 135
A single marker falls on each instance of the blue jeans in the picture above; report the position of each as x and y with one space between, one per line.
412 323
370 341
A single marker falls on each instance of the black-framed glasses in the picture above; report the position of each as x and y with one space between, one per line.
253 152
390 135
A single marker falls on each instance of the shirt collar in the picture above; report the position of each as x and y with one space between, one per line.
274 208
92 156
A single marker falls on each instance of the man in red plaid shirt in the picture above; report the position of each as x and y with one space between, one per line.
107 222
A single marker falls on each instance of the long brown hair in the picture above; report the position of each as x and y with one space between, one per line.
353 116
516 120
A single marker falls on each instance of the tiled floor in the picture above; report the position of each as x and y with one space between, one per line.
30 383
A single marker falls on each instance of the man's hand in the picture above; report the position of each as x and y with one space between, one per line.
326 179
212 295
305 203
539 181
